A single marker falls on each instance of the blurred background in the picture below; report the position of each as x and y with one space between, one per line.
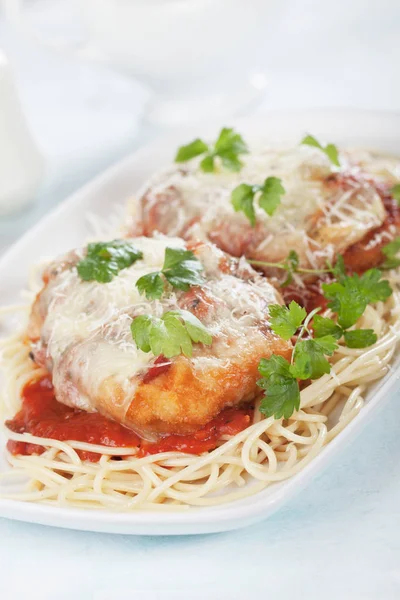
82 84
85 112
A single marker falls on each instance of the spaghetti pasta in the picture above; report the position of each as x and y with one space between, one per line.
323 213
266 452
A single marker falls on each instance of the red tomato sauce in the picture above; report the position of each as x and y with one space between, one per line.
229 422
160 365
41 415
309 297
367 253
359 257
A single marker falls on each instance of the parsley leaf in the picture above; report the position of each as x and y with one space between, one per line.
172 334
346 300
285 321
323 326
350 298
374 289
391 251
395 191
330 149
207 164
228 147
104 260
181 269
360 338
190 151
274 365
140 329
271 192
309 357
242 199
282 393
327 344
243 195
195 328
152 285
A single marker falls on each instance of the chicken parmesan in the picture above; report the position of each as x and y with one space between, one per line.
323 211
80 332
221 341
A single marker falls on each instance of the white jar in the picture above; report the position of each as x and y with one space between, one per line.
21 165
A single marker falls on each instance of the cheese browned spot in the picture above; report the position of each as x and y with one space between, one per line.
86 342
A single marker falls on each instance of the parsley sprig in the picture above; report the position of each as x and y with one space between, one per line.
228 147
290 265
329 150
282 392
269 197
279 376
181 269
308 360
355 338
104 260
348 297
170 335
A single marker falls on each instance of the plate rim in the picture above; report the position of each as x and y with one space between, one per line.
194 520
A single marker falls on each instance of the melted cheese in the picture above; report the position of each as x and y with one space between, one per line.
78 310
301 170
385 168
86 331
314 218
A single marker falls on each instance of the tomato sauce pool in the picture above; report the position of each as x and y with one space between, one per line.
42 416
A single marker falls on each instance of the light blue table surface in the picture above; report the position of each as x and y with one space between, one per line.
340 538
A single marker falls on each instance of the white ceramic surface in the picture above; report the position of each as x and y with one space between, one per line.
21 165
66 227
197 56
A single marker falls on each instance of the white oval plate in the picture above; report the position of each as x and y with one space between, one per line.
67 227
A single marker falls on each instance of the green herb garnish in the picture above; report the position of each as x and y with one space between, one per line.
172 334
285 320
351 296
279 376
104 260
330 149
395 191
323 326
282 392
228 147
195 148
269 197
360 338
181 269
309 357
348 298
391 252
291 266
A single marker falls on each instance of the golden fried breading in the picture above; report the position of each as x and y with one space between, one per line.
86 342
